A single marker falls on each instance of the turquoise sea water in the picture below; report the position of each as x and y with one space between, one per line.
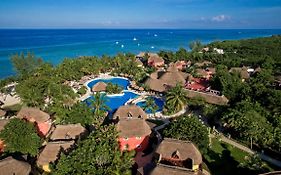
55 45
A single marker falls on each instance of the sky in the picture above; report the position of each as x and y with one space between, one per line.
189 14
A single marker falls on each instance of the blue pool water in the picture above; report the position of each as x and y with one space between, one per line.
114 102
124 83
53 45
159 102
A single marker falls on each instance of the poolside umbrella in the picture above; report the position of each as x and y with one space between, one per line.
133 83
141 89
122 74
126 75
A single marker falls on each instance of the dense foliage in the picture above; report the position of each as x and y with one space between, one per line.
176 99
188 128
20 137
113 88
98 154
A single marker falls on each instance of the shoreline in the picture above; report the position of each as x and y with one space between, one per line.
54 53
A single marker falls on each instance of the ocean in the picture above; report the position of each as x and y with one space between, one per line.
53 45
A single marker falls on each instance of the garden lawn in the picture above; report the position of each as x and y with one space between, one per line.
224 159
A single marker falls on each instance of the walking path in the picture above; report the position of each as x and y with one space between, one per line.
250 151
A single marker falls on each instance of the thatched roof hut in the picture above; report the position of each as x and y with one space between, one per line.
208 97
11 166
135 127
68 132
162 169
129 111
2 113
98 87
165 80
3 124
184 149
52 151
33 115
242 71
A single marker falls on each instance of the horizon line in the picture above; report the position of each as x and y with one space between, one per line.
85 28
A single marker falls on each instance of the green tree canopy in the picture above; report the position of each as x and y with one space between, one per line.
188 128
98 154
20 136
176 99
25 65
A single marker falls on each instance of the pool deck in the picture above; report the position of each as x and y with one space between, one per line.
142 96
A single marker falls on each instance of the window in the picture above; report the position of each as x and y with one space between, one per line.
138 138
126 138
138 146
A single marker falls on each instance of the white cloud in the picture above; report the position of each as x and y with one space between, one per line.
220 18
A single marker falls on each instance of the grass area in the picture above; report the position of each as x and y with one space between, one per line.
224 159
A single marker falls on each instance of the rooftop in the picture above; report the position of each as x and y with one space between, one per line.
52 151
11 166
66 132
33 114
185 150
134 127
126 111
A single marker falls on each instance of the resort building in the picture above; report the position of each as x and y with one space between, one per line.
11 166
134 132
139 62
242 71
161 169
99 87
181 65
219 51
131 111
41 119
2 126
2 113
62 140
177 153
51 153
203 64
161 81
153 60
68 132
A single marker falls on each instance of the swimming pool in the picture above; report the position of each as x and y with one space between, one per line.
115 101
122 82
158 101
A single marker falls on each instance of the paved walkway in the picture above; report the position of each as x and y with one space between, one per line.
250 151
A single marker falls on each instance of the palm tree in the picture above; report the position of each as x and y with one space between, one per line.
150 105
176 98
98 104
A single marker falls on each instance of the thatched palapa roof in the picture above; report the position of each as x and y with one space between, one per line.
186 150
208 97
98 87
134 111
3 123
11 166
2 113
170 78
134 127
242 71
67 132
33 114
162 169
52 151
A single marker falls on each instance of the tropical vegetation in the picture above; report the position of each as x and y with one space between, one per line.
20 136
98 154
